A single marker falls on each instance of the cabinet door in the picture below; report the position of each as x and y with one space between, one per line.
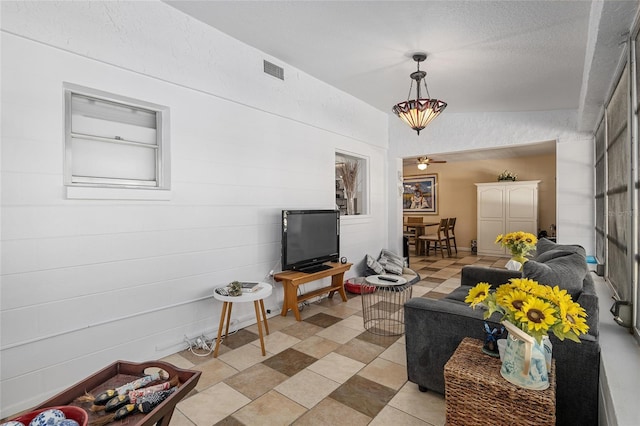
488 230
491 218
491 203
521 209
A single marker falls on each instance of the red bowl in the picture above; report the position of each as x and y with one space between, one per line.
70 412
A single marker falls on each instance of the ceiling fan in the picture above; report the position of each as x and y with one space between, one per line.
423 162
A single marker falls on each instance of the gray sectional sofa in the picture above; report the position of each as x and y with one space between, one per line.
434 328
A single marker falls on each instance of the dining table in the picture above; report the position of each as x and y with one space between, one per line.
420 229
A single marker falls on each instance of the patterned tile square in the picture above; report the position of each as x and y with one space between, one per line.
213 371
336 367
434 280
277 342
338 333
243 357
289 361
239 338
376 339
363 395
272 408
307 388
360 350
178 360
435 295
386 373
354 321
212 405
302 329
427 406
323 320
331 412
316 346
396 353
256 380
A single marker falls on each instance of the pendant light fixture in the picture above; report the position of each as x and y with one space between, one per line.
419 112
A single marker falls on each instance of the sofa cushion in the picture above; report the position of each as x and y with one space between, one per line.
391 262
562 268
459 293
544 245
374 265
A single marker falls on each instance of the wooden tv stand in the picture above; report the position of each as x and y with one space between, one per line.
292 279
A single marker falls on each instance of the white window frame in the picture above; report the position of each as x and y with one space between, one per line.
84 187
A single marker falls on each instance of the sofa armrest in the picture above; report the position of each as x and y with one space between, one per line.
588 299
433 331
472 275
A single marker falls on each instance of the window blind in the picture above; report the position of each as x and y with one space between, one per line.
618 192
600 193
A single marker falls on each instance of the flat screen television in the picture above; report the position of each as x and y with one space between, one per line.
309 239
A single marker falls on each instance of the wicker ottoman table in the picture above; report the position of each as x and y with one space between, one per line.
476 393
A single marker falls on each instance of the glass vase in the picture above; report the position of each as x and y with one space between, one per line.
351 205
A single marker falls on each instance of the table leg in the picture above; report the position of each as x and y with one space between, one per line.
226 331
256 305
264 316
290 300
222 316
419 249
338 281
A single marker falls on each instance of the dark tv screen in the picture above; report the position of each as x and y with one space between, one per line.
309 237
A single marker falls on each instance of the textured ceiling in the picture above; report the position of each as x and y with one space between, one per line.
483 56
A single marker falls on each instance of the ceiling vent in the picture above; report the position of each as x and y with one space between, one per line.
274 70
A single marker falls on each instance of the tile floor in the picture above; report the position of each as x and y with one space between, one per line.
324 370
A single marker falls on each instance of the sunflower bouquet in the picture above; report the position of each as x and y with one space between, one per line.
534 308
519 244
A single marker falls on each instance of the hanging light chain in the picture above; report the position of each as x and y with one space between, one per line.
410 87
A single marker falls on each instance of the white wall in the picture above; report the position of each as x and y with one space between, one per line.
85 283
473 131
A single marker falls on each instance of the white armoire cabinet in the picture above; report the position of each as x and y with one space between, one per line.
505 207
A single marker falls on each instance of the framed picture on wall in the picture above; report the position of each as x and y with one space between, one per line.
420 194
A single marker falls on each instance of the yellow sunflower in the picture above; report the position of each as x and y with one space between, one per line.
557 296
537 315
538 290
498 238
477 294
573 317
525 284
514 300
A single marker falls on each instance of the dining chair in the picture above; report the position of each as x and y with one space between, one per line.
452 234
411 232
440 239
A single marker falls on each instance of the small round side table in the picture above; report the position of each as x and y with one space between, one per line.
257 297
383 304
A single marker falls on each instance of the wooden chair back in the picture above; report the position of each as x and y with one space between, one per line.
443 228
452 225
414 219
